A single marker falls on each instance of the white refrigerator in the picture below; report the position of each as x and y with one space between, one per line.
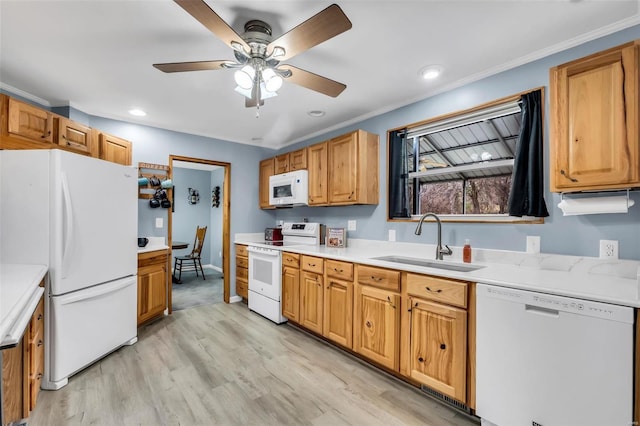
78 216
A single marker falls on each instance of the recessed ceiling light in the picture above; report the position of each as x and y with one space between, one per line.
137 112
430 72
316 113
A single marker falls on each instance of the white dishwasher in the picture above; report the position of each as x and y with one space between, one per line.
551 360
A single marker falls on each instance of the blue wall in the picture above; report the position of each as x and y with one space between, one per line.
573 235
186 217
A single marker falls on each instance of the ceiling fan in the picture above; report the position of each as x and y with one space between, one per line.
259 71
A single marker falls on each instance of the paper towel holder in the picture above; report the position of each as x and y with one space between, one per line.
627 190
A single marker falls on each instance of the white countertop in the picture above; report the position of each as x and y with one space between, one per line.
613 281
19 295
154 244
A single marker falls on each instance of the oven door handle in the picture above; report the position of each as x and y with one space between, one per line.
271 253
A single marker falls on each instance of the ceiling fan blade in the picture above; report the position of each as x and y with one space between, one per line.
313 81
191 66
214 23
320 27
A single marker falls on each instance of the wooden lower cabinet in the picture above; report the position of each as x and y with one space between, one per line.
291 293
22 370
311 301
338 311
242 271
438 348
376 325
152 285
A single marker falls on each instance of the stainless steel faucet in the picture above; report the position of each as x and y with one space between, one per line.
440 252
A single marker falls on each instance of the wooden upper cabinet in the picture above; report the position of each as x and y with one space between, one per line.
27 122
266 170
76 137
353 161
594 108
298 160
281 164
115 149
318 174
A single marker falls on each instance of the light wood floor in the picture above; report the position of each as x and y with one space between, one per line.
194 291
224 365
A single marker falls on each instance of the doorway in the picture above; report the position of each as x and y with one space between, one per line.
212 195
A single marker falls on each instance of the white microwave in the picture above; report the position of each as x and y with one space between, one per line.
289 189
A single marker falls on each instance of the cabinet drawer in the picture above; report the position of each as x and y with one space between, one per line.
312 264
241 250
152 258
378 277
242 273
337 269
242 287
291 259
35 381
37 321
441 290
242 262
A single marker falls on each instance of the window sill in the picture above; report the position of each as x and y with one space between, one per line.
476 218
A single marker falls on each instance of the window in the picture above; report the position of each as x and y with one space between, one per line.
460 165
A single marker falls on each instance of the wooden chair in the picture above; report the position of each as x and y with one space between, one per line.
194 256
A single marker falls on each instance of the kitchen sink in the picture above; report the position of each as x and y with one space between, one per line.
439 264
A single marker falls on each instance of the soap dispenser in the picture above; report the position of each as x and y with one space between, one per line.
466 252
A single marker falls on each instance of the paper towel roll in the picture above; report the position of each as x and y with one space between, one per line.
595 205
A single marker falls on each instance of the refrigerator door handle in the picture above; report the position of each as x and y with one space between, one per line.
95 292
68 238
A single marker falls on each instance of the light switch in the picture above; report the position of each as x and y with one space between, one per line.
351 225
392 234
159 222
533 244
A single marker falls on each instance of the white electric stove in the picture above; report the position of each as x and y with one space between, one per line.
265 268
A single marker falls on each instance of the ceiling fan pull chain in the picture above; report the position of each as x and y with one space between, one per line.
258 110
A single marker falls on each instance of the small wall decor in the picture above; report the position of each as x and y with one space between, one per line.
215 197
194 196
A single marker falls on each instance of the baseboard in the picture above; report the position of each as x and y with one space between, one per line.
235 299
210 266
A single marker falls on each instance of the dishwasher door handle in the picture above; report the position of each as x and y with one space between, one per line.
539 310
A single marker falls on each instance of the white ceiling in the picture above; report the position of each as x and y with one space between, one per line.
96 56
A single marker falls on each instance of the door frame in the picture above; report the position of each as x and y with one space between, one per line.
226 220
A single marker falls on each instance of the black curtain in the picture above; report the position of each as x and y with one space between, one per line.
527 181
398 176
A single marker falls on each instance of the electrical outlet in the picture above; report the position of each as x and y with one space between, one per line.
159 222
392 234
533 244
608 249
351 225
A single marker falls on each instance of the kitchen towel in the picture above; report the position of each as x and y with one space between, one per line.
595 205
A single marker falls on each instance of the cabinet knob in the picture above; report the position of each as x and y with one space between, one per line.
39 317
420 359
390 303
437 291
443 346
39 376
40 343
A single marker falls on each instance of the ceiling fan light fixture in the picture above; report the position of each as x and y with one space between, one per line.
244 77
272 81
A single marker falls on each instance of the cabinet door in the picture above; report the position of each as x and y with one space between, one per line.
439 347
266 170
115 149
291 293
76 136
14 394
281 164
594 105
311 295
298 159
338 311
343 160
318 173
152 296
30 122
376 325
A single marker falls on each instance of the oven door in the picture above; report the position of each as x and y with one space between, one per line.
265 272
